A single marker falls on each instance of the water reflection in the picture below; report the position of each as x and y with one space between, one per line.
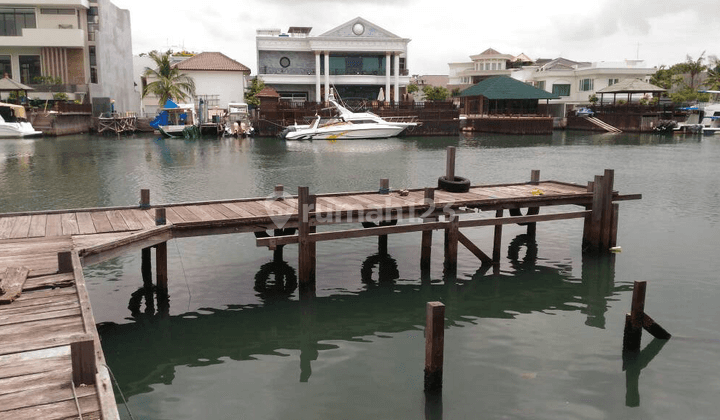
149 350
633 364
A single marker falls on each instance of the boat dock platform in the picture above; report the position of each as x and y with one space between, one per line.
51 360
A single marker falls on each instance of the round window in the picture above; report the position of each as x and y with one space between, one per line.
358 28
285 62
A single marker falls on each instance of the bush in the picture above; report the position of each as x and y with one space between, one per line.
60 96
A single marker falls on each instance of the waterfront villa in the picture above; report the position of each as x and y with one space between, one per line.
78 47
357 58
488 63
219 80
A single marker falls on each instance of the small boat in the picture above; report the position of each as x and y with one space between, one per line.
176 120
13 122
237 120
711 119
348 125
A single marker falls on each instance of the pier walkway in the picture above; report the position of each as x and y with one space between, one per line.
51 361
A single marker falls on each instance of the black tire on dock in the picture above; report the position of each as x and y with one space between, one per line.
531 211
458 184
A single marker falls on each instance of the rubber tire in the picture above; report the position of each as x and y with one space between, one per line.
457 185
532 211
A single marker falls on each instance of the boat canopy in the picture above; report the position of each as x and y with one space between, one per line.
18 110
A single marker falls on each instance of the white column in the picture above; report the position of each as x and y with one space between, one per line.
327 76
317 77
388 63
397 77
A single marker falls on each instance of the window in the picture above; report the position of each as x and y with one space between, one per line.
561 90
585 85
540 85
5 66
12 21
612 81
92 56
29 68
93 75
57 11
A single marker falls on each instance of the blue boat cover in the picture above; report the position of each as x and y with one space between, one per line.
162 117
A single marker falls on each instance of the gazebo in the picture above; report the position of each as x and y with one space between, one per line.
9 85
631 87
503 95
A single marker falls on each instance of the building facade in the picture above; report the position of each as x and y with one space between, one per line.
82 48
358 58
489 63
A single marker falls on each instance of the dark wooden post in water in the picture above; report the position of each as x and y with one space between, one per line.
426 244
144 199
434 345
306 252
450 163
84 369
497 239
600 231
161 253
453 235
146 253
637 319
534 179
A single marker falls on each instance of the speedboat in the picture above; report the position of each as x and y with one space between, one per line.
348 125
711 119
237 122
176 120
13 122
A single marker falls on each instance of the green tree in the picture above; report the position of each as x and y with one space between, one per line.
435 93
167 81
692 68
412 88
712 81
256 85
666 78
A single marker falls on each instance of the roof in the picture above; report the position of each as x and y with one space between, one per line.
503 87
7 83
212 61
268 92
631 86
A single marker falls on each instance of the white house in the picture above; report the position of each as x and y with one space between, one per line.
488 63
358 58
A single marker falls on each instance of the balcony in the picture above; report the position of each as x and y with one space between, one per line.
34 37
50 3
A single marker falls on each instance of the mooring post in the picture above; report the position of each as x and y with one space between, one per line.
161 254
84 367
535 180
144 198
595 232
450 164
434 345
306 263
384 186
279 192
497 239
426 244
637 319
587 227
453 235
607 211
65 264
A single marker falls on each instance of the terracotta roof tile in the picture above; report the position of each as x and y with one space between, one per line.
212 61
268 92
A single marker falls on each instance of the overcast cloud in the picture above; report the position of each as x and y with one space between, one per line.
660 32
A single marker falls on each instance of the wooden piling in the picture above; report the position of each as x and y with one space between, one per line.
144 198
607 210
84 366
384 186
450 163
534 179
161 254
426 243
587 227
279 192
65 264
637 319
306 254
146 266
497 239
434 345
453 236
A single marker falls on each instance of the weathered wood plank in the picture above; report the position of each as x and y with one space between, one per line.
85 223
48 394
37 225
40 316
28 363
131 220
200 212
34 245
69 224
12 284
53 226
237 208
116 220
146 217
35 381
60 410
39 264
6 226
101 222
21 227
185 214
9 316
225 211
212 212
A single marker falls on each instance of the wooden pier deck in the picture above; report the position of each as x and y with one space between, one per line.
48 335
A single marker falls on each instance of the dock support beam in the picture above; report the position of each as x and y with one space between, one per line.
161 253
306 253
497 239
426 244
453 236
534 179
600 231
637 319
434 345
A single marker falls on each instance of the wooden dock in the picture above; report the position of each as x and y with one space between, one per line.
52 364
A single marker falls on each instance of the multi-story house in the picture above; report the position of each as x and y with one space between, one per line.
78 47
357 58
488 63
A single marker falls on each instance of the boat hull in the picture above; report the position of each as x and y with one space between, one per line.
172 130
18 129
349 133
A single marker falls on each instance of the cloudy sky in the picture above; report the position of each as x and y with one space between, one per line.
658 31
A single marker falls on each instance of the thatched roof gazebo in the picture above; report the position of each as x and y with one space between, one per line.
9 85
631 87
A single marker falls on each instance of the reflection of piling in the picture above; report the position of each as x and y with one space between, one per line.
306 257
637 319
534 179
434 344
497 239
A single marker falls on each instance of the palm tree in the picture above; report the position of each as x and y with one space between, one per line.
167 81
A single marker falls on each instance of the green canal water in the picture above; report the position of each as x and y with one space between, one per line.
541 339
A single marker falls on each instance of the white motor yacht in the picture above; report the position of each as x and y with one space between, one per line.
13 122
